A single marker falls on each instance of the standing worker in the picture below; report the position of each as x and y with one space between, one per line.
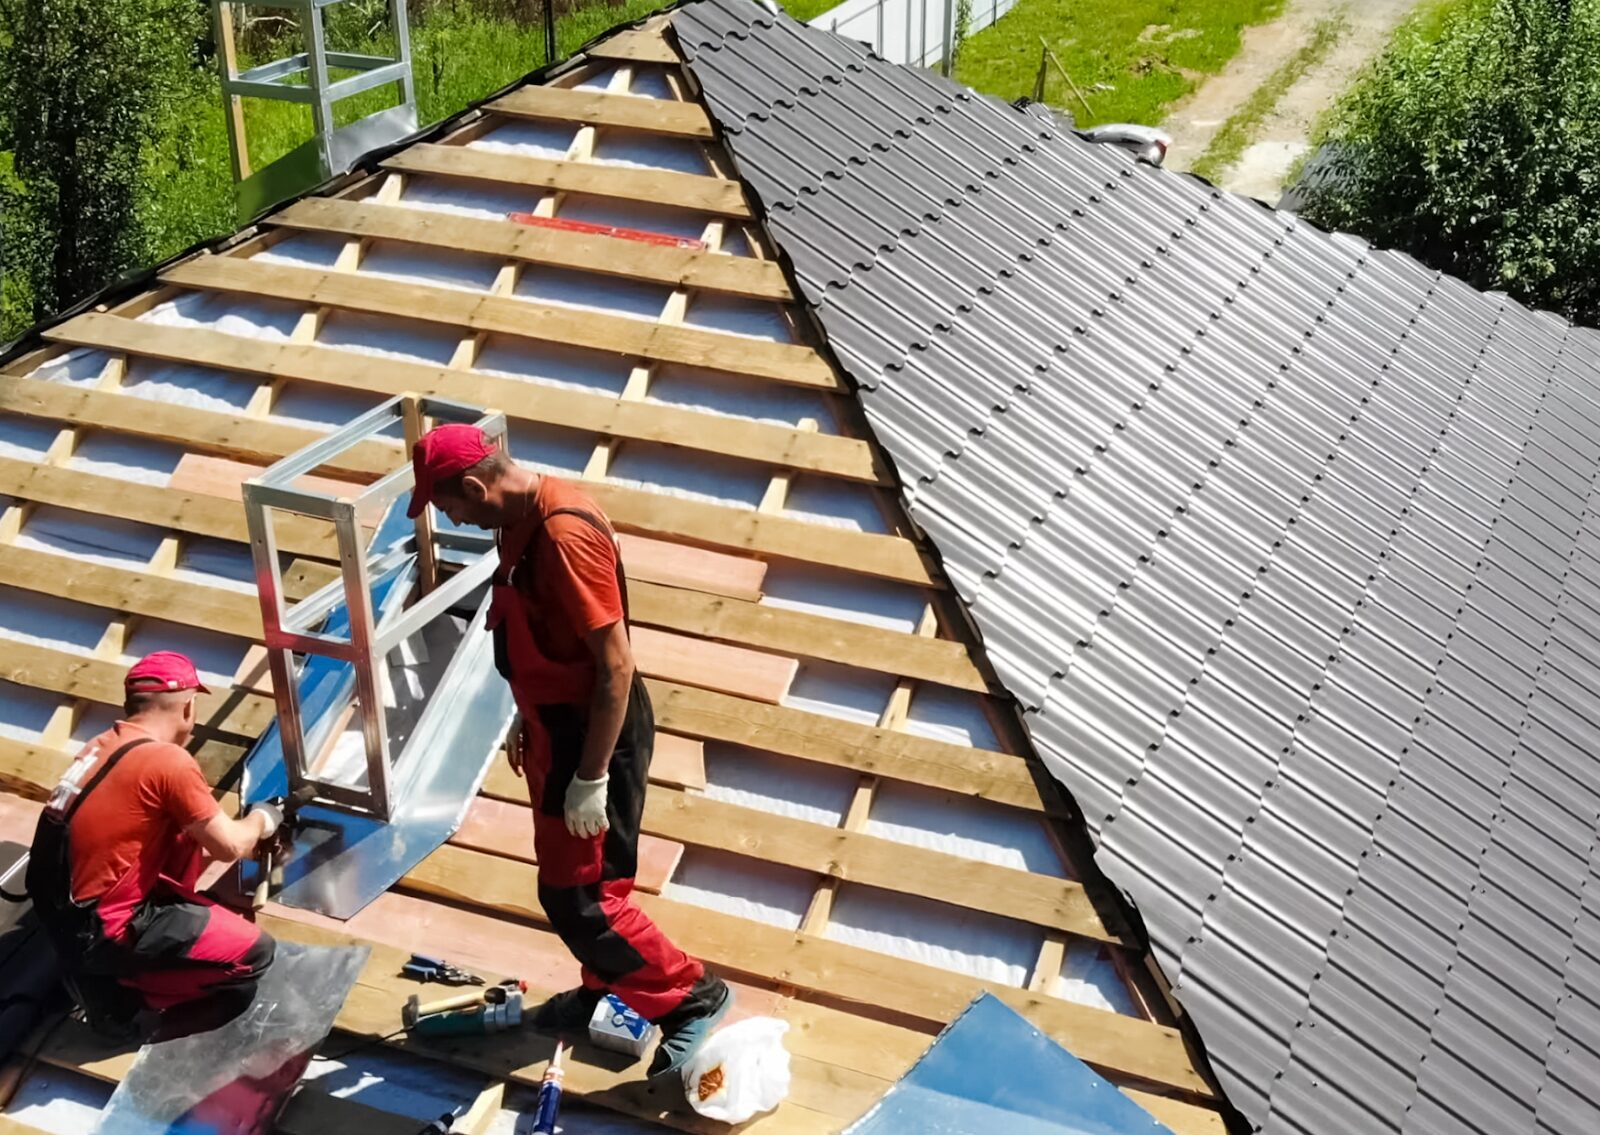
117 854
585 734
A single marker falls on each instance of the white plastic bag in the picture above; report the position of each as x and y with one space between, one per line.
741 1071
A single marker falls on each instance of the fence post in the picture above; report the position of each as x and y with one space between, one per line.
949 31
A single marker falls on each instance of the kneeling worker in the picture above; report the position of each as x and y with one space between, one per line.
559 615
118 851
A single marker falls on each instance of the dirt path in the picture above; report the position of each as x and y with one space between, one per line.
1282 136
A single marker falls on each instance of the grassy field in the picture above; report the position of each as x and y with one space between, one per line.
1130 59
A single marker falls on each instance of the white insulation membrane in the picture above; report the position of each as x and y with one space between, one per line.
957 939
738 885
935 934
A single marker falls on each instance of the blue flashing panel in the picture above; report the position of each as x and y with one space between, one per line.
991 1071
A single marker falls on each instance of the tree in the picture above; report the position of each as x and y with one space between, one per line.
84 83
1479 152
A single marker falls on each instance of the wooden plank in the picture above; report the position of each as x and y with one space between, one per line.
130 591
230 711
1125 1045
692 569
224 477
679 762
805 634
638 45
224 434
156 505
529 244
714 666
999 777
497 827
718 196
791 363
632 510
597 108
854 857
745 530
849 458
818 1089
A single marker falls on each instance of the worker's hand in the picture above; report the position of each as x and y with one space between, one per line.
517 745
586 807
271 818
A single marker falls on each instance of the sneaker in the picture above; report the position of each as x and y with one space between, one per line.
686 1028
567 1012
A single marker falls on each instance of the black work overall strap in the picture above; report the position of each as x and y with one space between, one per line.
49 878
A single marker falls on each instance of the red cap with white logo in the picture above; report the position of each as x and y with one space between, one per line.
164 670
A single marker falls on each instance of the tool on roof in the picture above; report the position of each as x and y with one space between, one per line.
489 1010
389 707
429 969
271 853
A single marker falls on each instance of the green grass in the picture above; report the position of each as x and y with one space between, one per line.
1130 58
1229 142
807 10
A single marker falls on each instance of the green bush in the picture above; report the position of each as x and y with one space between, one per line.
84 84
1474 144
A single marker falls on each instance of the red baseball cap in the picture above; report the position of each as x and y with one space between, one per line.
163 670
443 452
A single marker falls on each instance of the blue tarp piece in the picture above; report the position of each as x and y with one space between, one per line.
991 1072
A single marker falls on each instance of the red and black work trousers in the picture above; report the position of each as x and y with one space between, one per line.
183 947
586 884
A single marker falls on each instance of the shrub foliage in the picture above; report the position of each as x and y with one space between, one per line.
1479 151
84 84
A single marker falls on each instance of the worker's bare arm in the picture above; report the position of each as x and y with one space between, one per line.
613 679
227 839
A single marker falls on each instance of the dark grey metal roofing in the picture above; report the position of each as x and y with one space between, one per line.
1285 544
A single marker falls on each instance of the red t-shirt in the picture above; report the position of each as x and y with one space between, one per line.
568 578
136 815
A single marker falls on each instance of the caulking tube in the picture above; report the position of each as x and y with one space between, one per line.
544 1120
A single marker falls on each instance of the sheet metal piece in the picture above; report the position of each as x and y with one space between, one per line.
991 1071
1284 544
234 1080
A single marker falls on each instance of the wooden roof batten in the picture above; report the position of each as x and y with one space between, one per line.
842 997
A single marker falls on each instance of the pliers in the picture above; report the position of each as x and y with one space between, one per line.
423 968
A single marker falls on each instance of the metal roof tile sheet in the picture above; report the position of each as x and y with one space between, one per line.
1282 542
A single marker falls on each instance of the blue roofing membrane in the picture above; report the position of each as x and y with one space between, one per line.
1286 545
992 1073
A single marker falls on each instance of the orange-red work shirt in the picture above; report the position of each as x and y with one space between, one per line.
567 580
135 818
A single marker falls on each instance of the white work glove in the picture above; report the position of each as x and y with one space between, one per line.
272 814
586 807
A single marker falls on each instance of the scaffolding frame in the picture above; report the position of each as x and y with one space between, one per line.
374 628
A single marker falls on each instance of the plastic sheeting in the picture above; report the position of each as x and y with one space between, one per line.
801 790
46 620
748 888
838 595
961 825
935 934
25 711
840 691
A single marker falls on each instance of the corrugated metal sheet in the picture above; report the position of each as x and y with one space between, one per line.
1287 547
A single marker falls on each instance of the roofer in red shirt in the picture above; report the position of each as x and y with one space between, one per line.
585 735
119 848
